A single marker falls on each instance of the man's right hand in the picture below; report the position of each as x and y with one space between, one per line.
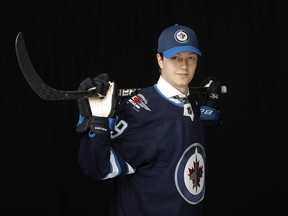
95 111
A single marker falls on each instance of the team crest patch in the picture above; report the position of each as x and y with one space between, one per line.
139 101
181 36
190 174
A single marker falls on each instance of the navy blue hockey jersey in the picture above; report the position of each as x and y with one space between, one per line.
156 155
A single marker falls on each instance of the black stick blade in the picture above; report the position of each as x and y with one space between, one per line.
43 90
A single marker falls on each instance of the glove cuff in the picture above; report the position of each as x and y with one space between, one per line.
209 114
100 125
83 124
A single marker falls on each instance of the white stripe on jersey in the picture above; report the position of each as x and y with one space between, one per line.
115 167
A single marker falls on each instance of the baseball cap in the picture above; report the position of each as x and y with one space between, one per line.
177 38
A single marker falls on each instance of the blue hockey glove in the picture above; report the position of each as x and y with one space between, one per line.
210 101
95 111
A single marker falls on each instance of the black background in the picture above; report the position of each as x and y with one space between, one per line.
244 44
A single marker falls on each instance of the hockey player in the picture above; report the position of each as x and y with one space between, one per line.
153 144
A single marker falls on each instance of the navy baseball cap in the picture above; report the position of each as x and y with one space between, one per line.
176 39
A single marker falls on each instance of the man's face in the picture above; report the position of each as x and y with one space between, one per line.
179 70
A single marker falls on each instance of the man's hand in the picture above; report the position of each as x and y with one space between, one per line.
210 101
95 111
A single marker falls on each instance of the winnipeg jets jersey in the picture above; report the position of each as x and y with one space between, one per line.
156 154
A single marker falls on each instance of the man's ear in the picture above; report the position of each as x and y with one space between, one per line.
159 60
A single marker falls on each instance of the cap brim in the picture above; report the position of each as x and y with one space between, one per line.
173 51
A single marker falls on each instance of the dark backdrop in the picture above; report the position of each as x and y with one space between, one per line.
244 44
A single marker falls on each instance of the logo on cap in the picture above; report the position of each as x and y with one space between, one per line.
181 36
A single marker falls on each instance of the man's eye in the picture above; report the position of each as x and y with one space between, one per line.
192 58
175 58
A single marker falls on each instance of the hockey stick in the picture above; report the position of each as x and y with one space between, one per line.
46 92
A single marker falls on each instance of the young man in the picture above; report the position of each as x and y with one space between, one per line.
153 144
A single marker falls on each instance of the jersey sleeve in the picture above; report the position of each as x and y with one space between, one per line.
98 159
